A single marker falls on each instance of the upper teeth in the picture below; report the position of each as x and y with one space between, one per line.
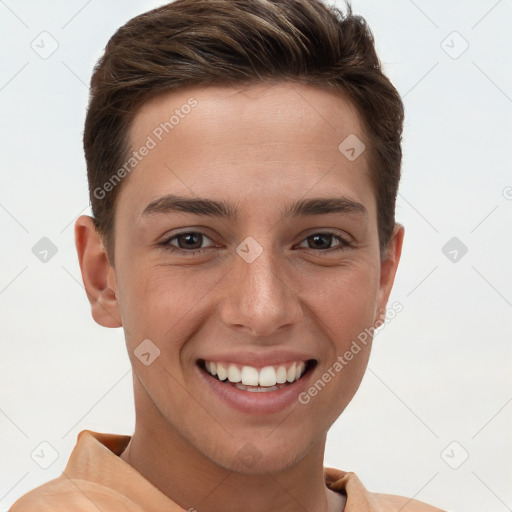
250 376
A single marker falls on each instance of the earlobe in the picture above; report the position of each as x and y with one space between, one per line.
98 274
388 268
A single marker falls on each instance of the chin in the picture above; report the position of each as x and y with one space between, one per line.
259 457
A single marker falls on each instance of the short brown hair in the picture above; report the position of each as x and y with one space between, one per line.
201 42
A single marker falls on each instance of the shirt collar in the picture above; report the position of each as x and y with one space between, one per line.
96 458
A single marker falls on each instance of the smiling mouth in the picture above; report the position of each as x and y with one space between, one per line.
265 379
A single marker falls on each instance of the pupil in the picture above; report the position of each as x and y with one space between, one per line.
316 238
191 237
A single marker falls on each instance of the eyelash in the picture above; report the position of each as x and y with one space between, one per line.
166 244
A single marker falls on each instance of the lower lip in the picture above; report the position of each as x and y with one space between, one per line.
263 402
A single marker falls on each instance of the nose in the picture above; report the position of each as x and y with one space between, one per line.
259 298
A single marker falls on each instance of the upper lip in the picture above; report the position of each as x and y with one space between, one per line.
258 359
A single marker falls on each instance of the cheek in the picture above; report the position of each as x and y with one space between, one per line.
344 306
345 312
345 299
162 302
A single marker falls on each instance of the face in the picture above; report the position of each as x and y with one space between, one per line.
246 246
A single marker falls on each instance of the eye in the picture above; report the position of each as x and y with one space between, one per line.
323 241
190 241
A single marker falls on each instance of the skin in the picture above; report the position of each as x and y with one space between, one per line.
261 148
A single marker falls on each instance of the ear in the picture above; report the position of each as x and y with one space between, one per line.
98 274
388 267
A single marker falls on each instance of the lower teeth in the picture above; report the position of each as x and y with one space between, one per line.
255 389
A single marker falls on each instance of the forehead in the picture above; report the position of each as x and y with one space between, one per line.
255 142
295 114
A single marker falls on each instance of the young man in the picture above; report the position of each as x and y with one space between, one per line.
243 161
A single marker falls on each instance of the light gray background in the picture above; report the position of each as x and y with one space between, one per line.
439 372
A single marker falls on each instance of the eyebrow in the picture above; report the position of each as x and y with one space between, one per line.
304 207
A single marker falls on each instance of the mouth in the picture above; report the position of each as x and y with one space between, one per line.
257 379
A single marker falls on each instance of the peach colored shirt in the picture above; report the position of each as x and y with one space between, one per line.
97 479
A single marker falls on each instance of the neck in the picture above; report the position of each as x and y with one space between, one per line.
195 482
